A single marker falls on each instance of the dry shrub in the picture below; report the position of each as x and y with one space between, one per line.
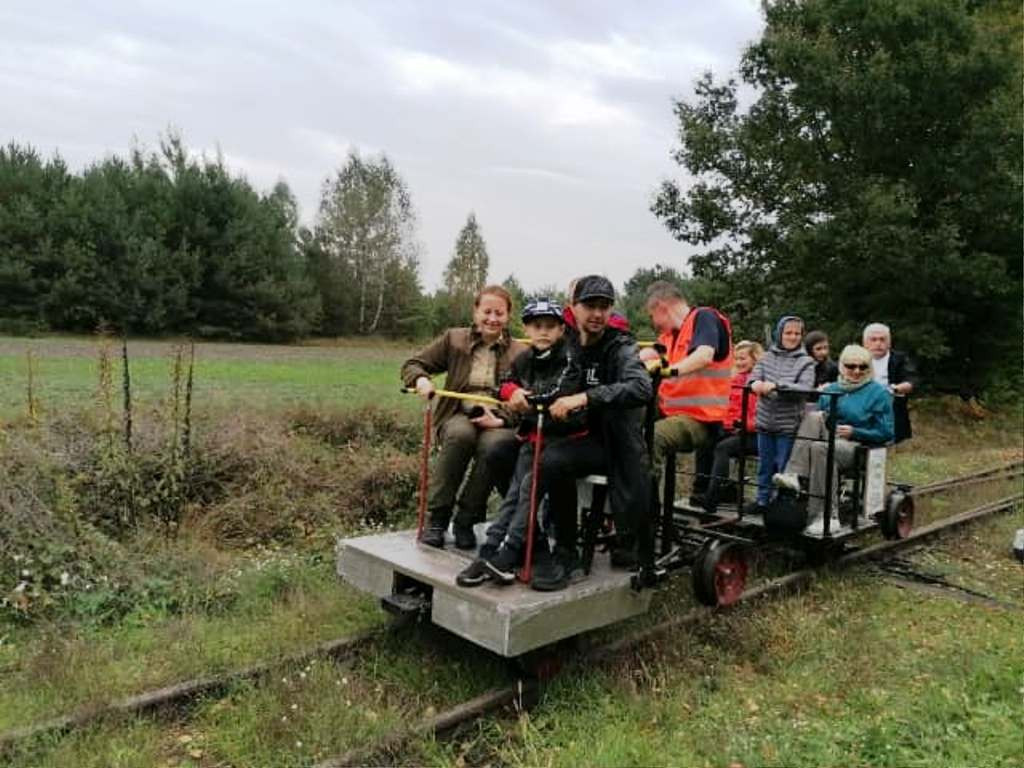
364 426
289 488
253 479
383 486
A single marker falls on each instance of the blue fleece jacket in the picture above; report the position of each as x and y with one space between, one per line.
868 410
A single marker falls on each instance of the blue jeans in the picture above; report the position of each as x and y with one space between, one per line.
773 453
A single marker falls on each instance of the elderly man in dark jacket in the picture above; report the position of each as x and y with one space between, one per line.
893 370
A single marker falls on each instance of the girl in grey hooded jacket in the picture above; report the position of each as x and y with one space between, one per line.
786 363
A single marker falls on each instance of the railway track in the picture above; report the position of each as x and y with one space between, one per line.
524 691
1009 471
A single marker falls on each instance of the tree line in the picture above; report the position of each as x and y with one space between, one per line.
876 175
168 242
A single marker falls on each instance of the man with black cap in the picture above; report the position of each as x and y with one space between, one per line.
617 388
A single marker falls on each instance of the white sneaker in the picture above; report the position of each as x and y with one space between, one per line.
787 481
816 526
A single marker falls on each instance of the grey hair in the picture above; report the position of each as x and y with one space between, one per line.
663 291
876 328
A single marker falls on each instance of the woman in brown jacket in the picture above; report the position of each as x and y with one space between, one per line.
475 359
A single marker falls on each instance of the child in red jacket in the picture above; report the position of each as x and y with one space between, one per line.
745 354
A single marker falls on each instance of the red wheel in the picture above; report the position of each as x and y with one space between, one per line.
897 519
720 574
542 664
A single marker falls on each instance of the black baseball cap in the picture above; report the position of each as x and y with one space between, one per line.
542 308
593 287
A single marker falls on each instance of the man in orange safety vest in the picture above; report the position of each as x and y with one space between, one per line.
695 401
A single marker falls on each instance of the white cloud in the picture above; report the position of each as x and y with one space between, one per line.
332 146
558 100
616 58
537 173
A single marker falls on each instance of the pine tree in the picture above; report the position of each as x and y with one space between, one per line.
466 273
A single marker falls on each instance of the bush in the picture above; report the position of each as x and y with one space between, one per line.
370 425
87 527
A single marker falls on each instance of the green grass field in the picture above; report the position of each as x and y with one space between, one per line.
65 374
851 672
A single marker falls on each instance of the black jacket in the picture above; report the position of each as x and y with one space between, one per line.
901 368
825 372
613 376
618 391
549 374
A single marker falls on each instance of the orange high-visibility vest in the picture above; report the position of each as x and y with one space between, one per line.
703 394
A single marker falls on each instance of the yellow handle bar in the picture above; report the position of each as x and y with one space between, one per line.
485 399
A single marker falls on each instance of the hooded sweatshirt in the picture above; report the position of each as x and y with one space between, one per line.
778 413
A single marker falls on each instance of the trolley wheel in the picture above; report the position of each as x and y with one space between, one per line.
719 573
897 519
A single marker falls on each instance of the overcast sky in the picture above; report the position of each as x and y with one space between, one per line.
551 120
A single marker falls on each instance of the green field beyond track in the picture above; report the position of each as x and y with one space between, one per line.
65 374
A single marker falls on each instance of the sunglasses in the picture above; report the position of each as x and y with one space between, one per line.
856 366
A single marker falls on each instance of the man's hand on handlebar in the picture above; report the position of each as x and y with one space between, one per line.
648 353
563 406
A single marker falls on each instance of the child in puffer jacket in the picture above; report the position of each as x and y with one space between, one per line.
785 364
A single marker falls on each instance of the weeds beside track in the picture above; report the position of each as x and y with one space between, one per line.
525 690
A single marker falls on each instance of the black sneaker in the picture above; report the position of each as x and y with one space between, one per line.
754 508
474 574
487 551
502 565
624 558
548 574
433 534
464 536
728 493
570 561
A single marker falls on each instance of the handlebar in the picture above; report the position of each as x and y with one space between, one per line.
484 399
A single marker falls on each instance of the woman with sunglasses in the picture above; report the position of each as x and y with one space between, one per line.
864 416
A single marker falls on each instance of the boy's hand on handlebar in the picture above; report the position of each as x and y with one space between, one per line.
488 420
762 387
648 353
424 387
563 406
845 431
517 402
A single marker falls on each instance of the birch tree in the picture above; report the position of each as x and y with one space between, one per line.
365 232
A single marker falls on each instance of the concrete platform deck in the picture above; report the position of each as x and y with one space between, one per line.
508 620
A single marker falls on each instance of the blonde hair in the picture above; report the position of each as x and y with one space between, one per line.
755 349
854 353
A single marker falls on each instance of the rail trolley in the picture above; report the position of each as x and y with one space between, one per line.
413 579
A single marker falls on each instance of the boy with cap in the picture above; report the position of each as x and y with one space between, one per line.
544 372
